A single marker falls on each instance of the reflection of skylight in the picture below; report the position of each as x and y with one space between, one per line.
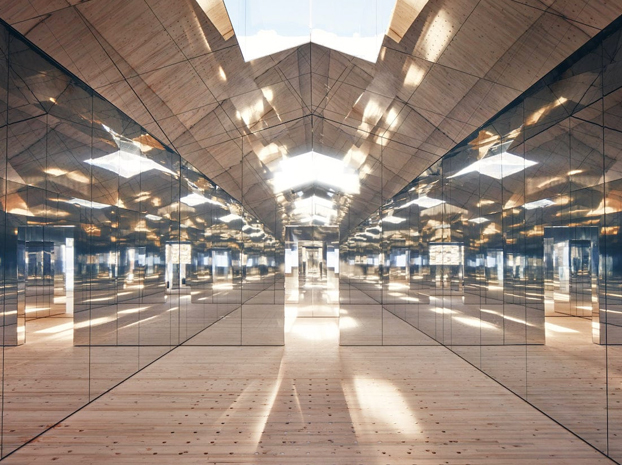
393 219
194 199
538 204
424 202
498 166
355 27
315 168
230 217
318 218
479 220
153 217
87 203
314 205
126 164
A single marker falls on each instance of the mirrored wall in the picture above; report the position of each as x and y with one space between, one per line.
114 249
508 250
311 271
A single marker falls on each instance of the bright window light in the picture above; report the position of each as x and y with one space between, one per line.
127 164
538 204
498 166
424 202
355 27
87 203
194 199
318 169
479 220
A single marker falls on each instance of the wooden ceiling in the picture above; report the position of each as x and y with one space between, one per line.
167 66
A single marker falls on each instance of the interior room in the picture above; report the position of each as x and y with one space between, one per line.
352 232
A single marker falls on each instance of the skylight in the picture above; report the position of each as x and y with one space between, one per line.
315 168
355 27
498 166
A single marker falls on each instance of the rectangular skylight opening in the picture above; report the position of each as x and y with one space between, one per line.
355 27
313 168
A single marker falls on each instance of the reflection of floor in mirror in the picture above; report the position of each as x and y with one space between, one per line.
309 402
566 378
313 297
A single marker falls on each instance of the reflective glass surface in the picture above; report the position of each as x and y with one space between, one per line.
115 249
507 250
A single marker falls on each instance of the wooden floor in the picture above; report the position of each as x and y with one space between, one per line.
310 402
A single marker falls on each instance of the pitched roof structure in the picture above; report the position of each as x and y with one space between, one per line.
445 67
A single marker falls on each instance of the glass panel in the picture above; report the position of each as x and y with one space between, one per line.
506 249
114 249
609 321
360 285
